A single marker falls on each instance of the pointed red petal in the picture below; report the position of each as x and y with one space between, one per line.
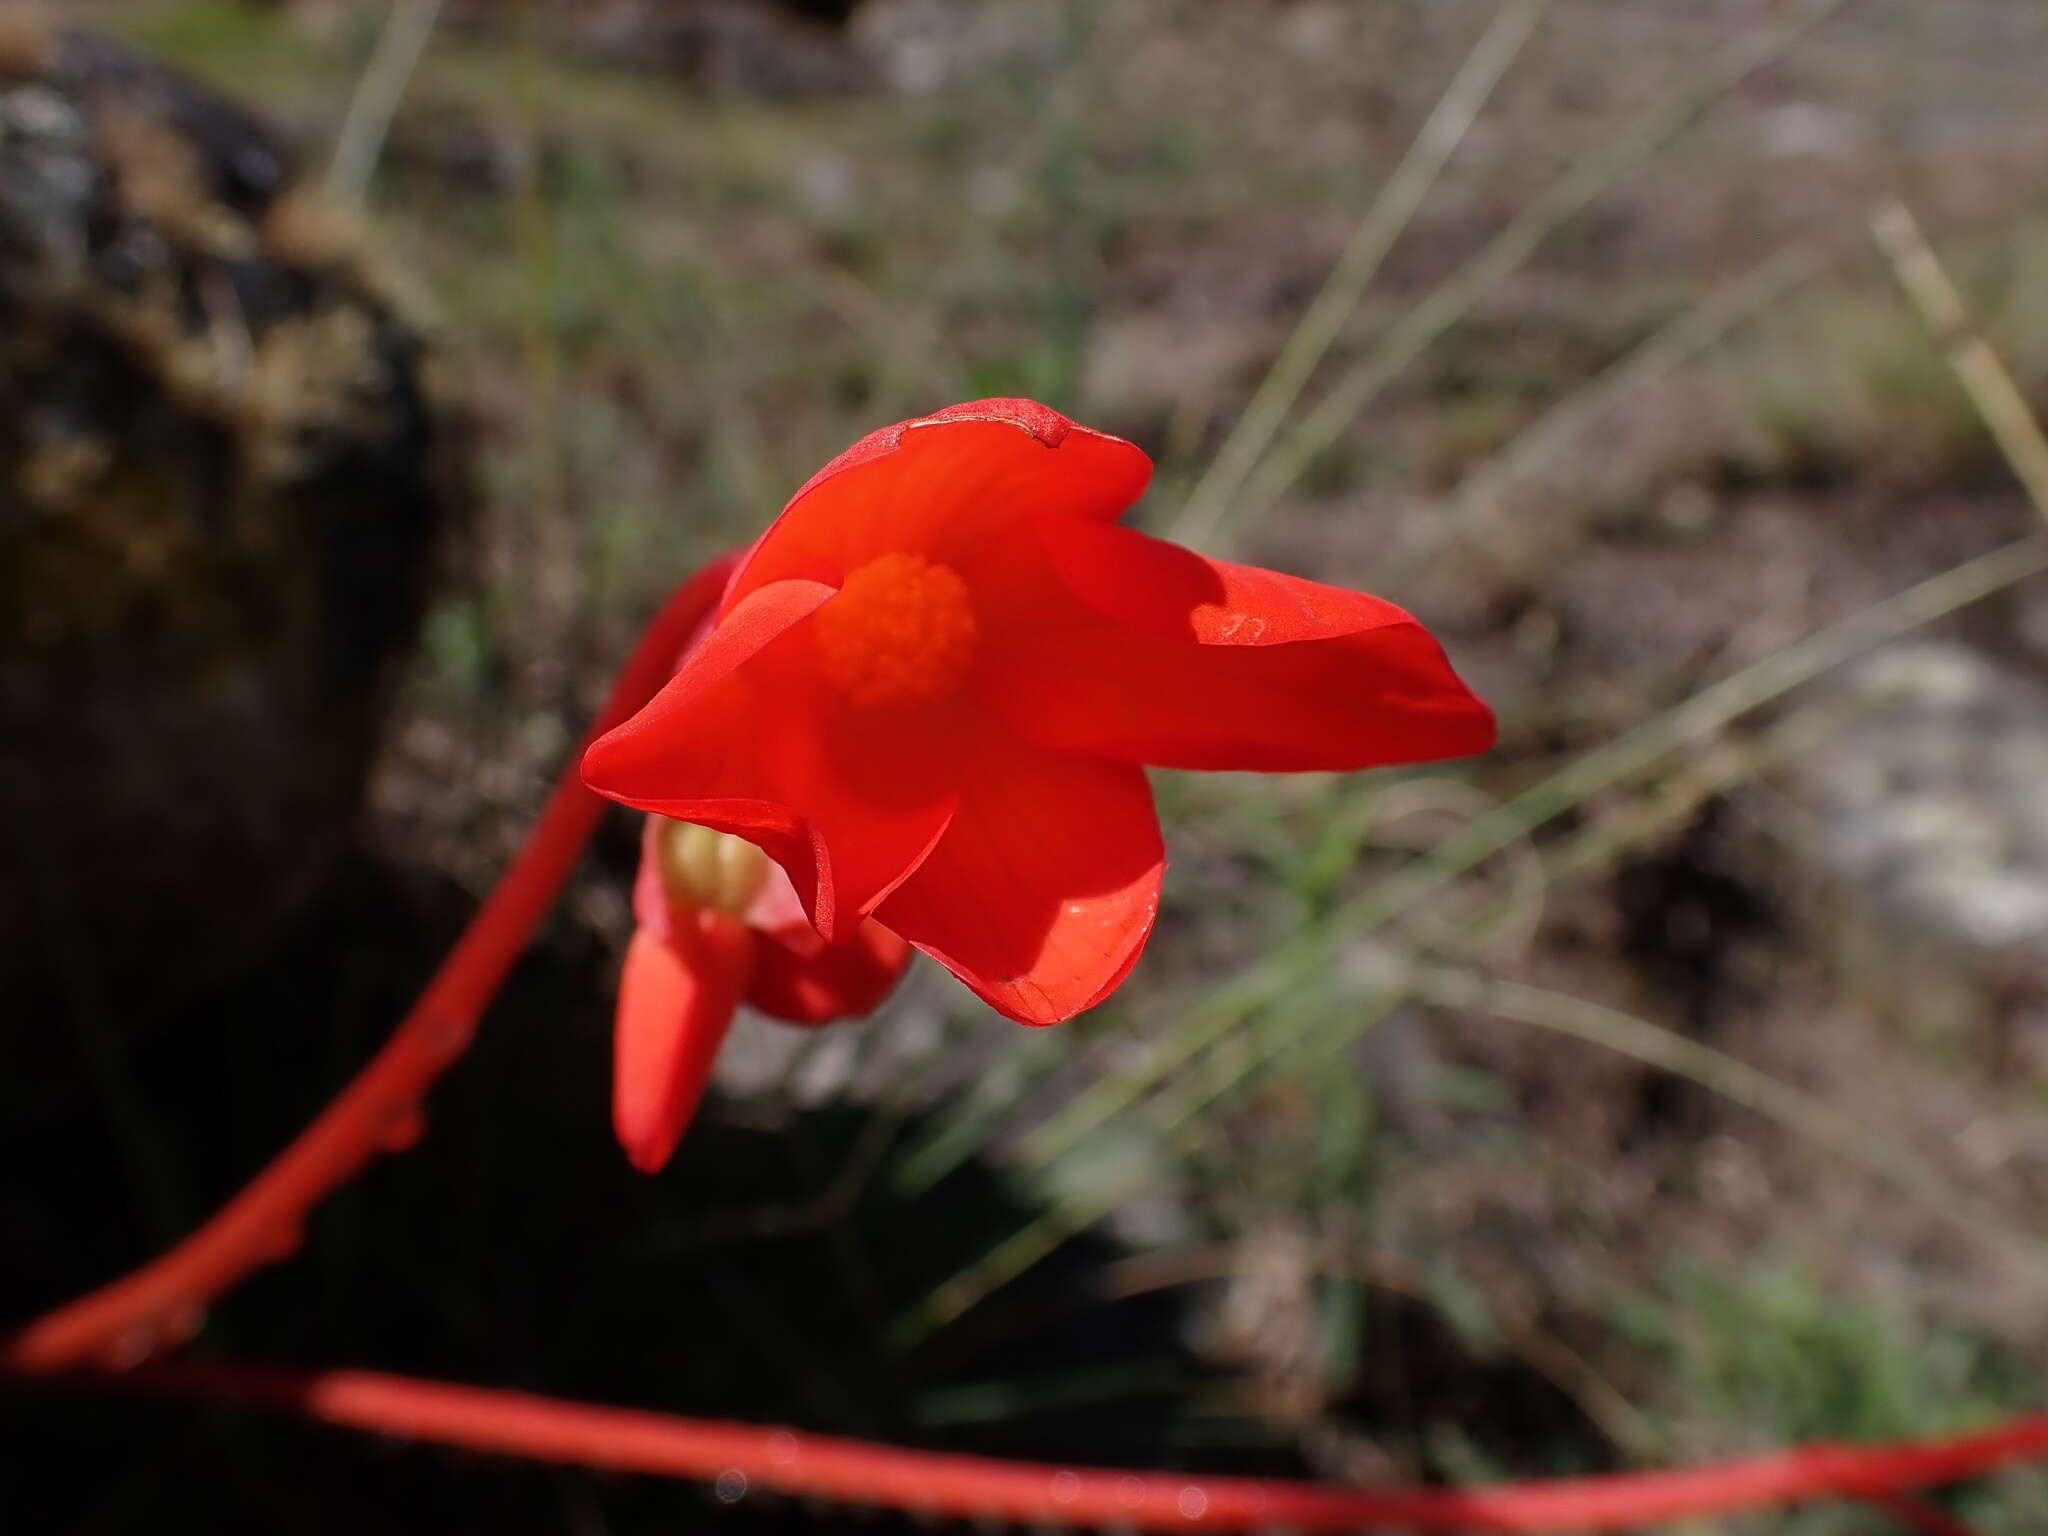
939 486
676 1004
1180 661
1043 890
741 741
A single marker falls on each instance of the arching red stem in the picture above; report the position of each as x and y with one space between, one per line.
746 1457
157 1304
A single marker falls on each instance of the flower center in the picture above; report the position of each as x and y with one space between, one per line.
703 868
899 633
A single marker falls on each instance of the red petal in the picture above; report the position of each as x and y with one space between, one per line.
676 1002
1180 661
1043 890
796 975
800 978
653 911
742 741
939 485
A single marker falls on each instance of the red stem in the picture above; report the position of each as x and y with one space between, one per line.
740 1457
163 1301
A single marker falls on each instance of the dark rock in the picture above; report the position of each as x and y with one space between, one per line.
221 482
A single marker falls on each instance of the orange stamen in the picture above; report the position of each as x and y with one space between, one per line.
899 634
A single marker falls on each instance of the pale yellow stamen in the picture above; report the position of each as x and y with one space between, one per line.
703 868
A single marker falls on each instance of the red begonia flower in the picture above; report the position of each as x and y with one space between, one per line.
718 924
932 685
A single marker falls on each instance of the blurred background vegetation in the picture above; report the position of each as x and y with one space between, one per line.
1665 1085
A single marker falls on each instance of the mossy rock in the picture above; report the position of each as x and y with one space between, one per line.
222 484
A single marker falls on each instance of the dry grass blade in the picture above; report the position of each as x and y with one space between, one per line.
552 530
1383 224
1477 498
1166 1115
1452 300
1715 771
1674 800
1696 720
377 95
1797 1111
1984 376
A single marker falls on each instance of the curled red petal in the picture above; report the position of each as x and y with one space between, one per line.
940 486
799 978
1043 890
743 740
1156 654
676 1002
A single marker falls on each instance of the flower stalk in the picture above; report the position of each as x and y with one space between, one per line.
164 1301
742 1460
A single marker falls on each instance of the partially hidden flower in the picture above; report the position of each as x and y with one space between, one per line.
717 925
931 688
